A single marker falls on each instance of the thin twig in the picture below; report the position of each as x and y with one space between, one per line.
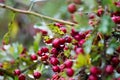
29 67
35 14
7 72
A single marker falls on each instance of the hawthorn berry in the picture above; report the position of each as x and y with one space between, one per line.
33 57
92 77
95 70
109 69
44 49
68 63
37 75
72 8
69 72
56 69
54 51
56 43
54 61
21 77
17 72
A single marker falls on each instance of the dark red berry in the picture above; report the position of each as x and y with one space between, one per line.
92 77
115 61
100 12
44 32
58 24
56 69
54 51
62 41
63 29
91 16
94 70
44 57
72 8
68 39
37 75
56 43
68 63
69 72
17 72
109 69
62 66
21 77
40 53
33 57
54 61
44 49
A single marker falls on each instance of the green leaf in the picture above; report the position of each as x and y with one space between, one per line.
88 45
16 78
36 42
67 53
106 25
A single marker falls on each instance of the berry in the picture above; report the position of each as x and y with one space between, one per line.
79 50
100 12
44 57
115 60
109 69
21 77
81 42
68 39
62 41
17 72
94 70
92 77
68 63
63 29
56 69
40 53
33 57
56 43
54 61
44 49
72 8
54 51
37 75
62 66
69 72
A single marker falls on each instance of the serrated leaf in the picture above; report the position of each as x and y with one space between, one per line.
106 25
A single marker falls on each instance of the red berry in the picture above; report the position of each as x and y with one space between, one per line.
54 61
68 63
79 50
44 57
40 53
91 16
44 32
56 69
54 51
62 41
33 57
1 65
100 12
56 43
115 61
72 8
81 42
116 19
70 72
68 39
58 24
44 49
94 70
17 72
92 77
37 75
109 69
63 29
21 77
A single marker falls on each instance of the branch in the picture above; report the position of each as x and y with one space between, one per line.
6 72
29 67
35 14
